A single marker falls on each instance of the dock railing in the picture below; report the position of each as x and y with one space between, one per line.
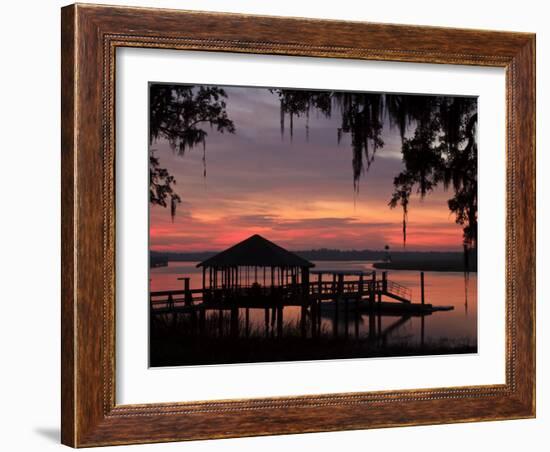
317 291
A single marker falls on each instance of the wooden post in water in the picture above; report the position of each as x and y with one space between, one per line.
303 320
202 320
266 322
247 323
357 317
422 288
318 317
384 286
273 320
372 325
346 317
340 283
188 298
313 317
422 331
234 321
373 289
337 298
193 315
280 321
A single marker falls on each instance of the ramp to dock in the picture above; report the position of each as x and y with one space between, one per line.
397 291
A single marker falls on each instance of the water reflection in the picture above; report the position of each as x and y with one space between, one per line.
454 289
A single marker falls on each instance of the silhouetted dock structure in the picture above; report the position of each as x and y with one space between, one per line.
257 273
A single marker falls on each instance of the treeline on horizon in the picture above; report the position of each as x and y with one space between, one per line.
326 254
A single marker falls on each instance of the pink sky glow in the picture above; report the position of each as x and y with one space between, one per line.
296 193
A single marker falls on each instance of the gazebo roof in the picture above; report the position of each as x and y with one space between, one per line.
256 251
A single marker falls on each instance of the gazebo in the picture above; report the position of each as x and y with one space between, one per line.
254 262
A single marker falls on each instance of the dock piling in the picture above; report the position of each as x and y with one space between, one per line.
422 286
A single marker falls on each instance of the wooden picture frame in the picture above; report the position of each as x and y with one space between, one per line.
90 36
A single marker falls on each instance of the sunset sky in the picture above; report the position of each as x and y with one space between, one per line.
296 193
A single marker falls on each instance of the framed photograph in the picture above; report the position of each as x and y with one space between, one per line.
278 225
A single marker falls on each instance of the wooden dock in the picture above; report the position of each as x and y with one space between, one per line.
361 294
344 298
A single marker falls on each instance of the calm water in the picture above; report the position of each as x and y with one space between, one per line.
441 288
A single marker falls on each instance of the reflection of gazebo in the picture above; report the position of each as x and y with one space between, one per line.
254 262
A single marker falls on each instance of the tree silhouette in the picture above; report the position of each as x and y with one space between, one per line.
362 118
438 136
178 114
441 150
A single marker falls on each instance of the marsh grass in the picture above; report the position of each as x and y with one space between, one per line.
176 342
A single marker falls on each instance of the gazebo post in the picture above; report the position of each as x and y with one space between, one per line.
305 281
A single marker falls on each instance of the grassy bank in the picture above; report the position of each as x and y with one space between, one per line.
229 351
176 344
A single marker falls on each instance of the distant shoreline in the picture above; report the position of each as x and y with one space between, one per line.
326 255
439 261
424 266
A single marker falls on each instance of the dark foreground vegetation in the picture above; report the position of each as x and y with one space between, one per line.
175 343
